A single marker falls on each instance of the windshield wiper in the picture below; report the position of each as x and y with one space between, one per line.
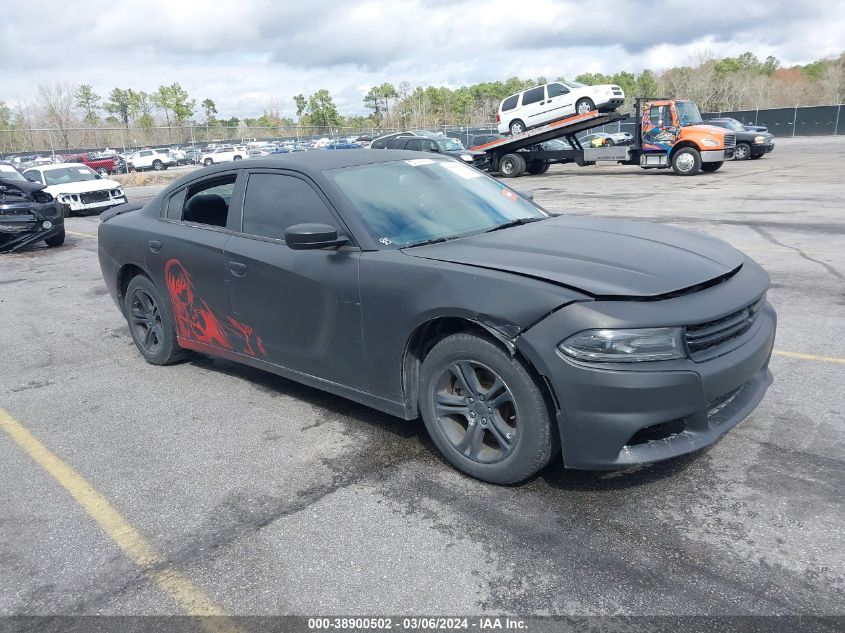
516 222
434 240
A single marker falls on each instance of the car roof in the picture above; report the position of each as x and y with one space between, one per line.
57 166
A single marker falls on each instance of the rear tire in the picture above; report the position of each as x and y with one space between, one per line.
57 240
157 165
236 158
150 322
711 167
208 162
503 443
686 161
742 151
512 165
537 167
517 127
609 142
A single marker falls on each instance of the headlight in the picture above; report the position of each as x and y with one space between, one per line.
625 346
710 142
759 140
466 157
117 193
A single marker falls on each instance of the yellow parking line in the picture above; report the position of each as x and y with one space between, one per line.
189 597
80 234
823 359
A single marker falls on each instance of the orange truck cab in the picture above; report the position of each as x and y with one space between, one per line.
674 135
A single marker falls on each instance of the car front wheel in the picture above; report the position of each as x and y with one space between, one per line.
158 165
484 411
742 151
584 105
208 162
56 240
151 323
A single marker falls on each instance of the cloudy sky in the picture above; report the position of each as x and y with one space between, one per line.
245 53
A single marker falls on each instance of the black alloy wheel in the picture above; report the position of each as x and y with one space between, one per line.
476 412
146 321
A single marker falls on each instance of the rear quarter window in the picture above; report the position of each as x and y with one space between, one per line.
510 103
534 95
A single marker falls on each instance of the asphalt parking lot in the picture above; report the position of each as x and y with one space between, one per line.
262 496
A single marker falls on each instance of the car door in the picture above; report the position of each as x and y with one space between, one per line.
533 105
660 130
559 102
303 305
184 255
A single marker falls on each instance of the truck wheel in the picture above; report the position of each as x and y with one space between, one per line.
742 151
711 167
517 127
584 105
536 167
157 165
512 165
686 161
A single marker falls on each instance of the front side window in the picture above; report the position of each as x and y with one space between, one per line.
534 95
274 202
208 202
411 201
688 113
556 90
34 176
661 116
450 145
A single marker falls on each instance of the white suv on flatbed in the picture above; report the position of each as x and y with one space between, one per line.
550 102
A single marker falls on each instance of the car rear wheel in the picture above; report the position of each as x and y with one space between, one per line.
584 105
57 240
512 165
686 161
517 127
609 142
236 158
158 165
742 151
151 323
711 167
208 162
484 411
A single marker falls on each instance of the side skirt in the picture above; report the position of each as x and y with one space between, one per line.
387 406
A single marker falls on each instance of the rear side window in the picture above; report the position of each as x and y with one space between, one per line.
414 144
208 202
379 144
510 103
274 202
534 95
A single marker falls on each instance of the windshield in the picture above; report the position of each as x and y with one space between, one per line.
574 84
450 145
410 201
69 174
688 113
732 124
10 173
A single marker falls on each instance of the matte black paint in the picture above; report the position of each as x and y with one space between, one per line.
342 319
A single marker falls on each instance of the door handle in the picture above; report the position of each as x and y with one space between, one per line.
542 103
238 269
155 246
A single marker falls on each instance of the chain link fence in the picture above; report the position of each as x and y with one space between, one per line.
798 121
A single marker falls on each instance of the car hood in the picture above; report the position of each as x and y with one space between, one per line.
85 186
602 257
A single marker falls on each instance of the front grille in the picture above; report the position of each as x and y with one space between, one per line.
17 221
94 196
730 140
704 339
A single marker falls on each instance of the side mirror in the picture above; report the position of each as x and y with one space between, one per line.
309 236
435 149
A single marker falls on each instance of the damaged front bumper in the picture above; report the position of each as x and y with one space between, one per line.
20 227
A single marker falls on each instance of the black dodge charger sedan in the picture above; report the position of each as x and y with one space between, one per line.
422 287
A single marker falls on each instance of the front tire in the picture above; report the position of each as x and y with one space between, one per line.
584 105
237 158
158 165
56 240
484 411
686 161
208 162
151 323
537 167
742 151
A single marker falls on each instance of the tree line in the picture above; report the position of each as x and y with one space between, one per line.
716 84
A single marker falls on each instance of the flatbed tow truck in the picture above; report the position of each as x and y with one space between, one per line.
670 133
